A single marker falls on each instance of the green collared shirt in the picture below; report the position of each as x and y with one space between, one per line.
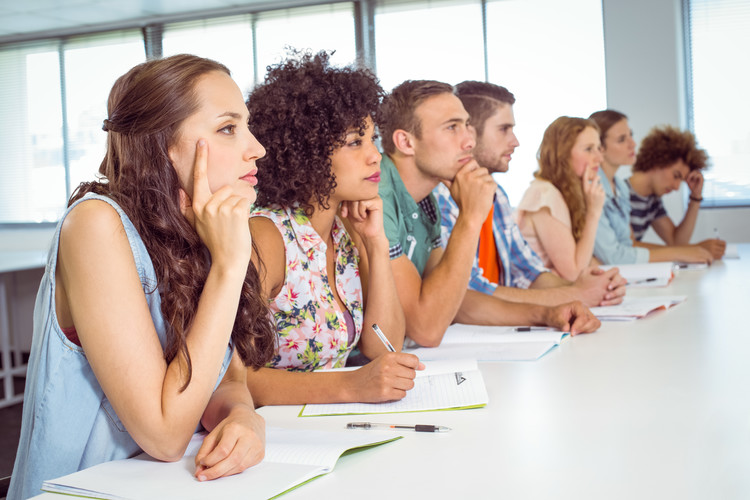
412 228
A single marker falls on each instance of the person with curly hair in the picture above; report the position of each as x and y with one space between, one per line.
149 306
559 213
319 223
667 157
427 139
614 238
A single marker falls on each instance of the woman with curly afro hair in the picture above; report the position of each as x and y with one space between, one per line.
615 241
667 157
560 210
319 226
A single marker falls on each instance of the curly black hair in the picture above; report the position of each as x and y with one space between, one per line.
301 114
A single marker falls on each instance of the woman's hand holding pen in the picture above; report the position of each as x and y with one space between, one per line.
386 378
236 443
220 218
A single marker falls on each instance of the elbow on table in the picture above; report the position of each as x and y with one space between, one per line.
167 449
426 337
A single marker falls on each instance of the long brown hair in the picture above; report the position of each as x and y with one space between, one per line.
554 165
146 107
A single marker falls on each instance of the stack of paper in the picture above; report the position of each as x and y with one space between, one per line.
442 385
651 274
293 457
493 343
635 307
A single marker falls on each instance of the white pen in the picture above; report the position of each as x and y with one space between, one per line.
382 337
397 427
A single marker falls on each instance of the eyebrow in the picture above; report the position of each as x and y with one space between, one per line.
230 114
455 120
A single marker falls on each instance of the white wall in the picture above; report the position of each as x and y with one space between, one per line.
645 80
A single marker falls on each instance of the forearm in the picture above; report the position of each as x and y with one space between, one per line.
382 305
684 231
584 247
480 309
206 342
543 296
271 386
444 286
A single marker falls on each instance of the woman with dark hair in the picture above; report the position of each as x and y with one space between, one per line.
319 224
614 238
560 210
149 306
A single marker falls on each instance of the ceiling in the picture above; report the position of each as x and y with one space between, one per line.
28 19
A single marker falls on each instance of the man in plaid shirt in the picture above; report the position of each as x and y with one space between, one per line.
505 265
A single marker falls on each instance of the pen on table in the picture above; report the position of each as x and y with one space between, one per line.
647 280
382 337
533 329
396 427
716 233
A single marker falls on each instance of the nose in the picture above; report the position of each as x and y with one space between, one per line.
373 155
514 140
254 150
598 156
469 139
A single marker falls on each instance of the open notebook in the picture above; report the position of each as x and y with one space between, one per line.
493 343
442 385
651 274
636 307
293 457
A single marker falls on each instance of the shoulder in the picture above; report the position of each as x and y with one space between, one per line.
94 220
540 193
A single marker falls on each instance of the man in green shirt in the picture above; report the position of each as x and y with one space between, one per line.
427 139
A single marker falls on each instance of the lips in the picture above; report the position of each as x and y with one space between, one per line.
374 177
250 177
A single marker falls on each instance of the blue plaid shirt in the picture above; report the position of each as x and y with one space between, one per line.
521 265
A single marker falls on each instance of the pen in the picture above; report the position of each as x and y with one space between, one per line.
382 337
533 329
716 233
416 428
647 280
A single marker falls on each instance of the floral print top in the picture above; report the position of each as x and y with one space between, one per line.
312 330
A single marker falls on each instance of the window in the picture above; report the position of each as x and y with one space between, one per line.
51 132
447 46
226 40
86 94
31 134
718 106
325 27
550 54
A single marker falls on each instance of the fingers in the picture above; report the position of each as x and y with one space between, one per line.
201 190
227 452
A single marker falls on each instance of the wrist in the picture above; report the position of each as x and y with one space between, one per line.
697 199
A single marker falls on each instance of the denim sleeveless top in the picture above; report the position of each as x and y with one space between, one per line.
68 423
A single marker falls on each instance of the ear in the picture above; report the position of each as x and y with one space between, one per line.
404 142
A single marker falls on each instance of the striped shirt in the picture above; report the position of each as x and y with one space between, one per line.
643 211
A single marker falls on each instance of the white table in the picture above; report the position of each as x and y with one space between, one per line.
657 408
12 362
652 409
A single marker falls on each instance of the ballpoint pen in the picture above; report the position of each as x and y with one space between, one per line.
397 427
533 329
382 337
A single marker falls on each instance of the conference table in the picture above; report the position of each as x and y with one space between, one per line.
656 408
653 408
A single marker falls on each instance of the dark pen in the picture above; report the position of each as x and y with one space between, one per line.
397 427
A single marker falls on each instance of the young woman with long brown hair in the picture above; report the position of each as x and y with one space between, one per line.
560 210
149 306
